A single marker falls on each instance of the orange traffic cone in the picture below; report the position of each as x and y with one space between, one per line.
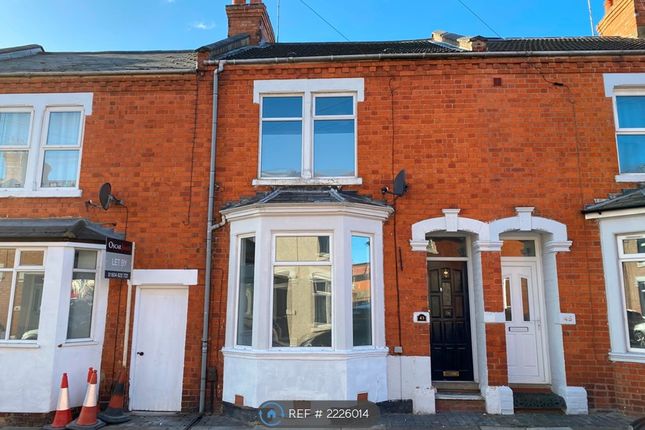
63 413
114 412
87 420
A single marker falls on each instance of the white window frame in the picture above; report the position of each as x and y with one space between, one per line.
622 258
309 89
97 271
331 264
41 105
372 291
629 131
624 84
14 270
44 147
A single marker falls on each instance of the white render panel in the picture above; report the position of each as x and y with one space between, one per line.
164 277
301 378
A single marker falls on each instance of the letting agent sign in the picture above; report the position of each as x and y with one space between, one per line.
118 259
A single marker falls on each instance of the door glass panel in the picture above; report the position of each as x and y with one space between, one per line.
434 281
525 299
507 299
446 246
518 248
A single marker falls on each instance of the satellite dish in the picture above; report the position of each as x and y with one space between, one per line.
107 198
400 186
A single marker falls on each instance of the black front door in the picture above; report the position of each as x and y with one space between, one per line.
450 347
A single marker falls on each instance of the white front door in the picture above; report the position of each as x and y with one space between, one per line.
524 323
158 343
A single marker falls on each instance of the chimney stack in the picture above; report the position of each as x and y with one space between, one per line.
250 18
625 18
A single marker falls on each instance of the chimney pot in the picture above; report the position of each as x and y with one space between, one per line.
256 1
239 1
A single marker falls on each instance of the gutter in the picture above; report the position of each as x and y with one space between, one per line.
210 227
427 55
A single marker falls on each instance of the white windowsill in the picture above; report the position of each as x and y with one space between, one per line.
307 182
40 193
19 344
629 357
84 342
630 177
321 354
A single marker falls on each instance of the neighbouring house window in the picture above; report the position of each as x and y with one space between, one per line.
288 151
245 291
361 290
631 250
61 149
81 304
15 126
41 143
302 292
22 275
630 132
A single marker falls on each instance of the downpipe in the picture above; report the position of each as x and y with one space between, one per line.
210 227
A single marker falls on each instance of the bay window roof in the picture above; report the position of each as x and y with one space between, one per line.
306 195
54 229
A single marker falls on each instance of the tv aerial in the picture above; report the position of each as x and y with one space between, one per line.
106 197
400 185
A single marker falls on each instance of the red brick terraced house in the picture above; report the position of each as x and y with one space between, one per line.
277 259
70 122
484 285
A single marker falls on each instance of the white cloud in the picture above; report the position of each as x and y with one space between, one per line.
200 25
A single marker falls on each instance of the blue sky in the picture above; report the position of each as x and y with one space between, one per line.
96 25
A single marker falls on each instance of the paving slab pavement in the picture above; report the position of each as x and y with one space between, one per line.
447 420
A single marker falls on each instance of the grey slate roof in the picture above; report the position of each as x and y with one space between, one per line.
100 62
317 49
628 199
428 46
54 229
547 44
305 195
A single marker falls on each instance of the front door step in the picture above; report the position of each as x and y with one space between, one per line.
447 386
535 401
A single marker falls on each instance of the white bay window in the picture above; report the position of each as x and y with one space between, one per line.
315 281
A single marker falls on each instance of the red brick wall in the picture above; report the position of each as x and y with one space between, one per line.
467 144
142 138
